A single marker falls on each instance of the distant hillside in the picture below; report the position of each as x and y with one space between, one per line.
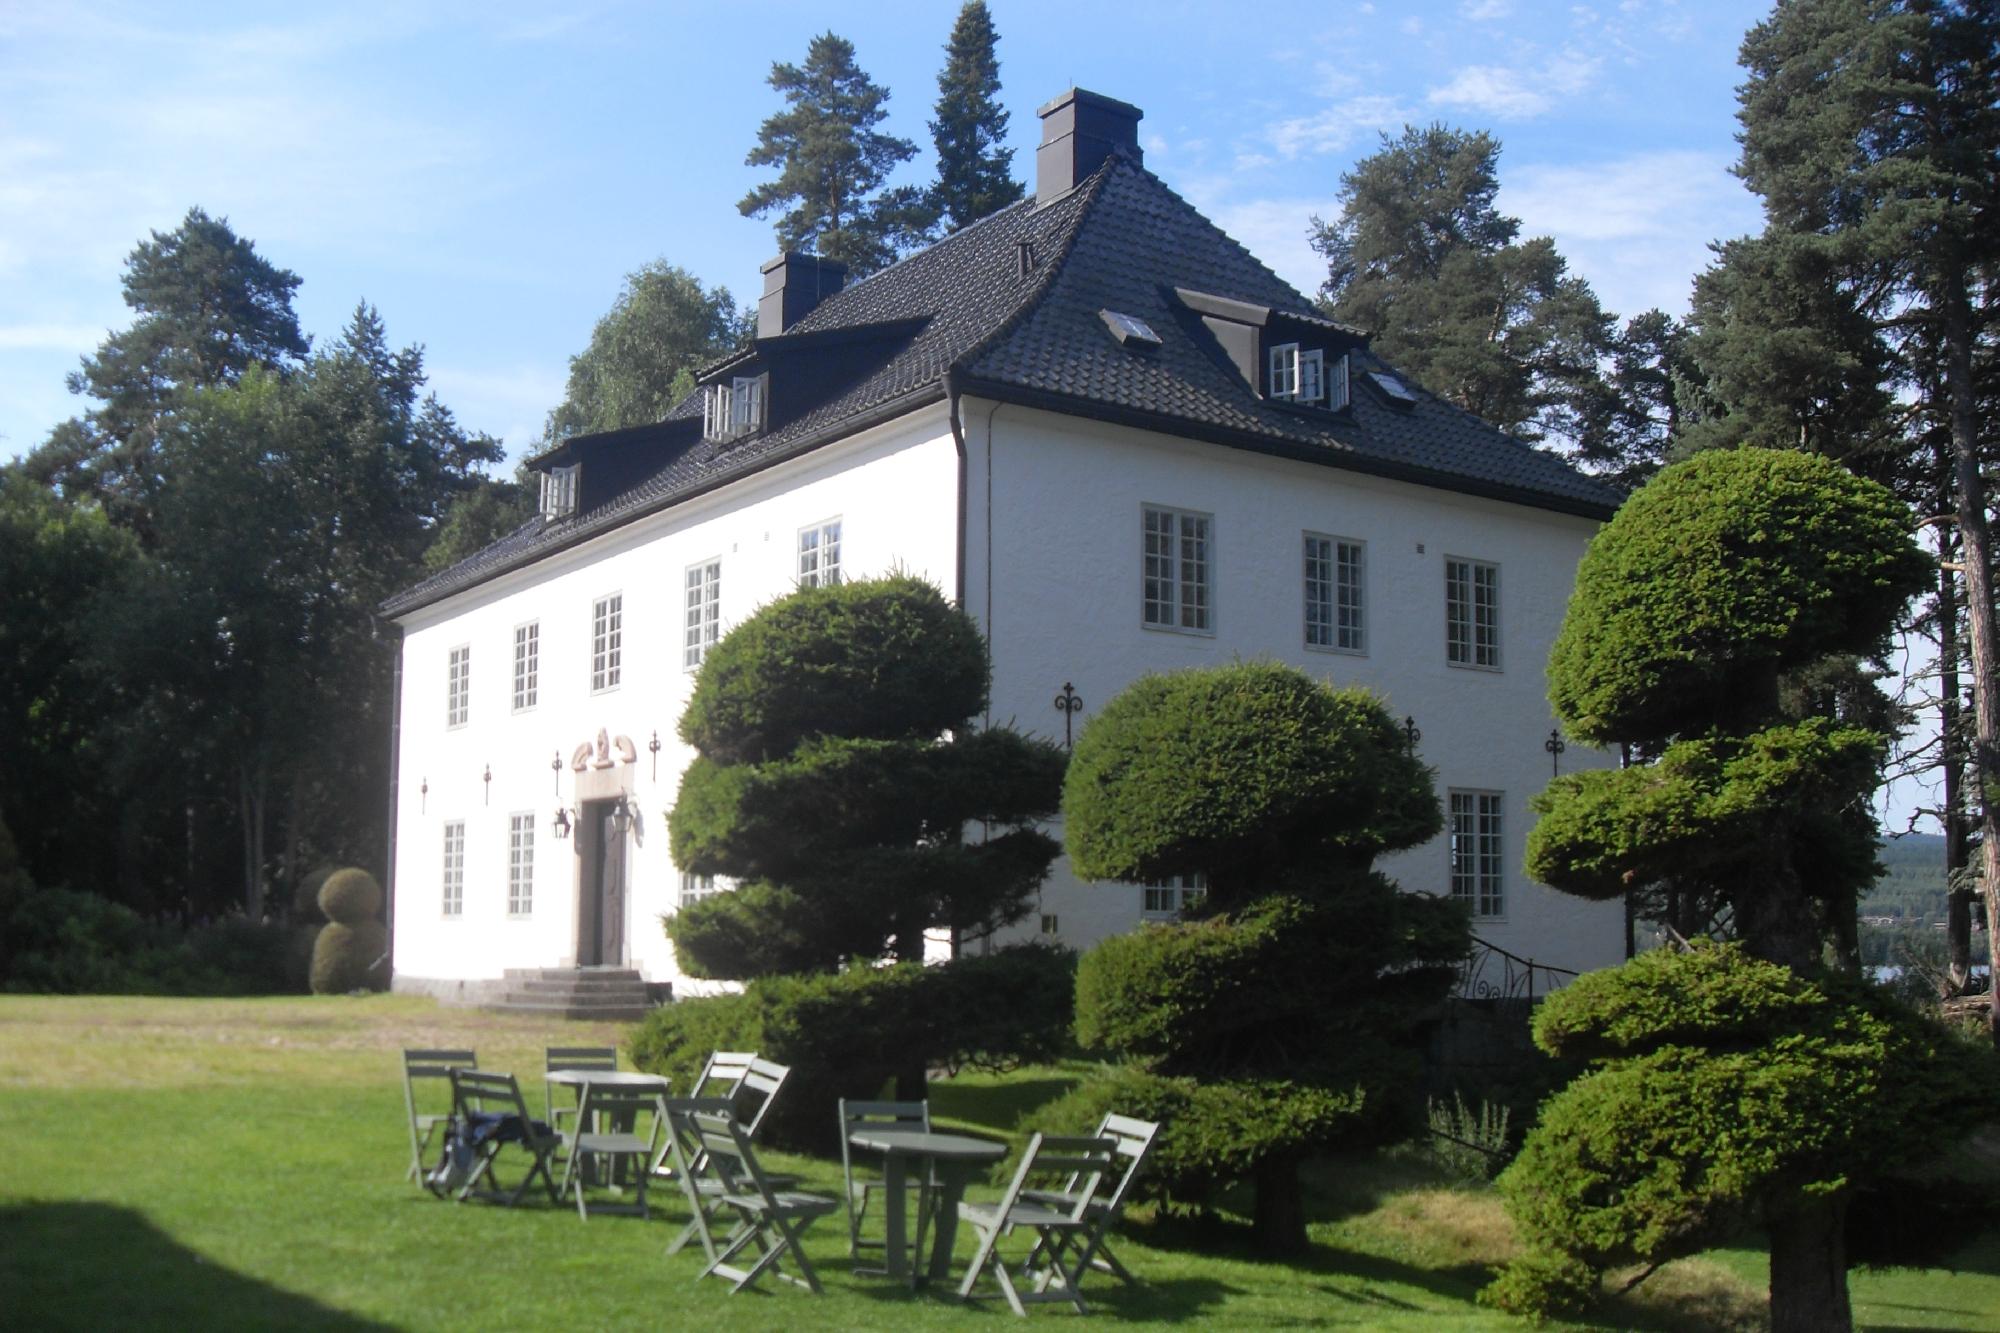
1912 884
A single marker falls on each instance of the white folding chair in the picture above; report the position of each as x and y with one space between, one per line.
769 1220
1085 1162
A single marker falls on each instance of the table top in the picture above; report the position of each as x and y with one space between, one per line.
607 1078
928 1143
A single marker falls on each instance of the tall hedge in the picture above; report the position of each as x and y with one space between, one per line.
1285 1017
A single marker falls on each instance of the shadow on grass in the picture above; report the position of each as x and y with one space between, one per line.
996 1106
92 1265
1173 1300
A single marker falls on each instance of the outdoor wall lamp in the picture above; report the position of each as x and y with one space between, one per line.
621 817
560 826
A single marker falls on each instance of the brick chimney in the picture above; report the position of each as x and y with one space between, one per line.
1079 130
793 285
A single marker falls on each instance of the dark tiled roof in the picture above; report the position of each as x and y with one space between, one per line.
1122 241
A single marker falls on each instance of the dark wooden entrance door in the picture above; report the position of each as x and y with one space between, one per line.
600 926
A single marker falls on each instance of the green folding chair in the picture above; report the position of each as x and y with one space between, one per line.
428 1066
619 1116
1082 1165
768 1220
862 1186
475 1093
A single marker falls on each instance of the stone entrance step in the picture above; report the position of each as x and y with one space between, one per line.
599 994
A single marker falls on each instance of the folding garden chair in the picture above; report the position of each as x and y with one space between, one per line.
1083 1162
619 1114
749 1085
1135 1140
496 1116
572 1057
769 1220
855 1115
433 1065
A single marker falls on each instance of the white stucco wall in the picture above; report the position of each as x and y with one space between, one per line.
1054 576
894 490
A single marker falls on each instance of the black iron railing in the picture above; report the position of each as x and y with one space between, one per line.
1492 973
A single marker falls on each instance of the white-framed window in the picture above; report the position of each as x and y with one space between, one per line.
1167 899
1336 384
819 554
733 409
1176 592
695 887
1296 375
1335 582
607 642
454 868
1477 852
521 864
458 686
1471 613
527 665
559 491
704 612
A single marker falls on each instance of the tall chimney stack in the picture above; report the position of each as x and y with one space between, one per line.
1079 130
793 285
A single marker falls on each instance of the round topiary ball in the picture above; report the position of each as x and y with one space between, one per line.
350 896
305 898
345 957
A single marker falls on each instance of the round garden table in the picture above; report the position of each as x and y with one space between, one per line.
952 1159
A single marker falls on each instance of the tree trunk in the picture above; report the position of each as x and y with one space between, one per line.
1951 756
1278 1224
1985 649
1809 1268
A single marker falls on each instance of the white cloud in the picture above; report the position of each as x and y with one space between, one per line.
1514 93
1485 11
1337 127
1637 227
1275 230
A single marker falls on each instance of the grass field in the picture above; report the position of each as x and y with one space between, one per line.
219 1164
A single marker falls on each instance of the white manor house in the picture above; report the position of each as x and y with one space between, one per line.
1104 428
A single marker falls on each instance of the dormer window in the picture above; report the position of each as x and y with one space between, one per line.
559 492
733 409
1302 375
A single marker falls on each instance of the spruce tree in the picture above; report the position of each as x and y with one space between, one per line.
832 162
975 171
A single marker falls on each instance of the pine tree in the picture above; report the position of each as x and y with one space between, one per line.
832 162
975 173
1421 257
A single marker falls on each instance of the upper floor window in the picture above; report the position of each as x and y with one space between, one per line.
704 612
527 665
458 686
1298 374
1335 615
1175 551
454 868
520 864
733 409
607 642
1471 613
819 555
559 491
1166 900
1476 851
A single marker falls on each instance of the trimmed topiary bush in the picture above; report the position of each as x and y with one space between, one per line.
350 951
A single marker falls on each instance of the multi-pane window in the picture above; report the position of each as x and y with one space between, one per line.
527 665
1335 615
559 491
520 864
704 612
607 641
1171 896
1476 857
819 555
1471 613
454 868
458 687
696 887
1177 570
1297 375
733 409
1051 924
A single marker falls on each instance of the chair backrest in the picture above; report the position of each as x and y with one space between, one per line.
626 1106
1085 1161
419 1064
582 1057
1134 1139
683 1146
477 1090
751 1082
727 1156
856 1115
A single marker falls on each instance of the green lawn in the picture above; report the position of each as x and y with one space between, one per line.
236 1164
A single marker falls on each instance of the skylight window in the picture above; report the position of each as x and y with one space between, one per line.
1130 330
1394 387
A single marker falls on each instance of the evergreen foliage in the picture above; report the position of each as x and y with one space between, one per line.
349 896
833 163
1282 1019
348 949
975 168
643 353
1724 1092
837 770
1711 629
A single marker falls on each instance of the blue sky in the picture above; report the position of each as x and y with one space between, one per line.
486 174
